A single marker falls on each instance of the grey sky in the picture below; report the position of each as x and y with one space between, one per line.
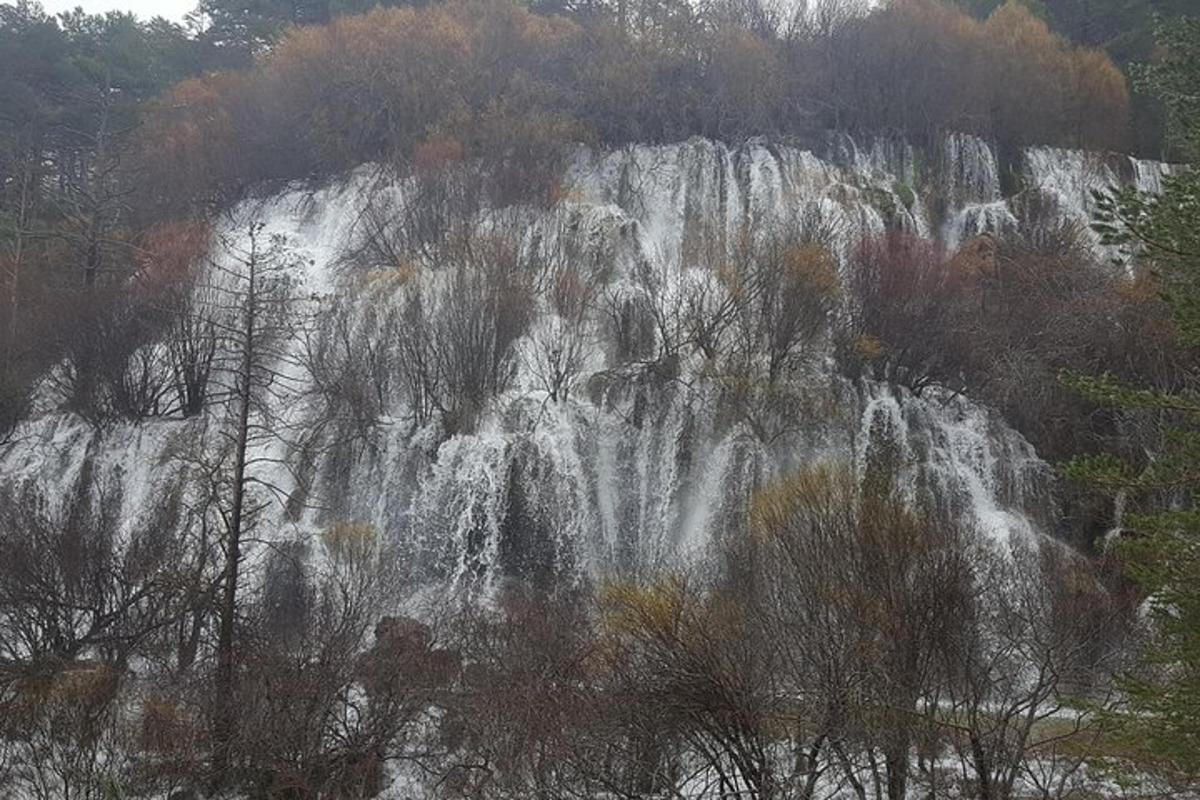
171 9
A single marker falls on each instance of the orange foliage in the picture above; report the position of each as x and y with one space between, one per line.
1098 107
169 251
187 140
433 155
1076 91
924 64
372 82
513 87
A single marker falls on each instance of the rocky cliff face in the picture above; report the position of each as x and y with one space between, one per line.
635 458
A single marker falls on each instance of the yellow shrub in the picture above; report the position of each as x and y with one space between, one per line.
349 539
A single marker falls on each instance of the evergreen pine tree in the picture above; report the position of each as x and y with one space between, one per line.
1160 530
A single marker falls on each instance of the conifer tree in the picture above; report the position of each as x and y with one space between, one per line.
1160 530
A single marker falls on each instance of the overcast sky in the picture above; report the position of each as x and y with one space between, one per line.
171 9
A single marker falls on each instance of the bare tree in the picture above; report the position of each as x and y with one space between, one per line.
73 584
14 377
111 367
1043 635
191 349
523 696
859 592
458 325
905 295
335 692
81 597
700 662
569 287
92 198
255 313
348 359
757 310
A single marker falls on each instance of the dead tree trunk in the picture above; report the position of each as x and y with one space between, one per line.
224 720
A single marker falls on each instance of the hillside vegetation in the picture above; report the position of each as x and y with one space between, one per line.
935 611
503 82
120 137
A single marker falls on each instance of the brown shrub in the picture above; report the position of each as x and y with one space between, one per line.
513 87
904 292
925 66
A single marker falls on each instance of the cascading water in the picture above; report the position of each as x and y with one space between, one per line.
1068 180
970 177
622 474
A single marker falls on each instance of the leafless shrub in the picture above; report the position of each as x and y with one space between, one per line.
487 309
71 586
903 305
858 593
191 350
786 287
323 709
348 361
757 310
457 327
569 289
630 327
690 657
1043 636
525 696
111 367
438 201
79 599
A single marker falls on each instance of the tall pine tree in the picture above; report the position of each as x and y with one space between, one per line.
1160 541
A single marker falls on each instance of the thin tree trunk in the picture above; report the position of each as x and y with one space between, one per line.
95 214
896 762
983 768
224 720
860 791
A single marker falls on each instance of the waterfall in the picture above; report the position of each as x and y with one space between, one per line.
624 474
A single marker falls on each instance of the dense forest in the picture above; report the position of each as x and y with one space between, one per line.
502 263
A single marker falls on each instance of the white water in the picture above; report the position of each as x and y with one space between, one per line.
1067 179
623 476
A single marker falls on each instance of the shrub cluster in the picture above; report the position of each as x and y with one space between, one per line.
514 86
1001 320
846 639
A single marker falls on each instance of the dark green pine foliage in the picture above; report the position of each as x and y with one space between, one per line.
1160 532
67 82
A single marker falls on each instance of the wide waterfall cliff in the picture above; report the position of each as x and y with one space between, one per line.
629 456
